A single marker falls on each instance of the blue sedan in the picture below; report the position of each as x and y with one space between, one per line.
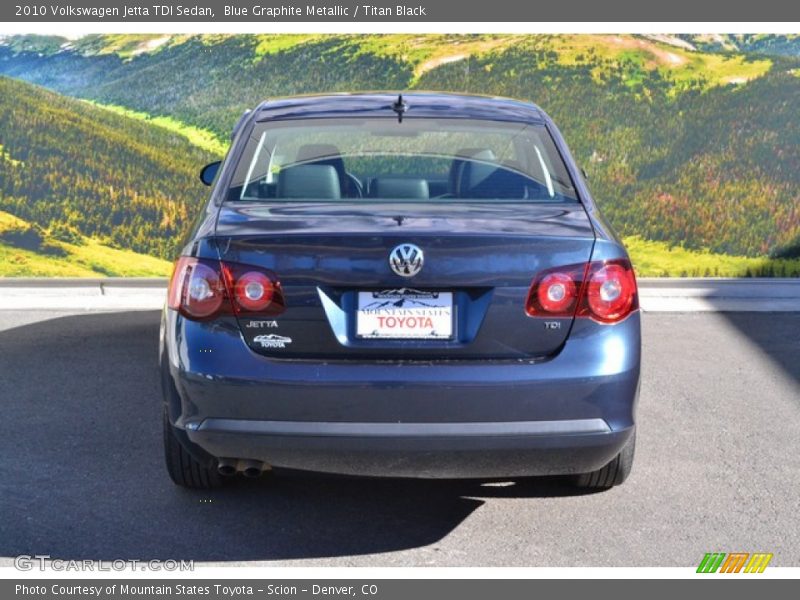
415 285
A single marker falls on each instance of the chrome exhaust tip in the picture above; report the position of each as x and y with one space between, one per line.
252 468
226 466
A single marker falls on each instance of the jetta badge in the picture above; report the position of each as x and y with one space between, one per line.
406 260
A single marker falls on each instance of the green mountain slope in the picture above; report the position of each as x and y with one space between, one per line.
66 164
777 45
27 250
686 146
207 81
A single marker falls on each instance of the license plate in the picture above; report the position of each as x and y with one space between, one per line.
405 314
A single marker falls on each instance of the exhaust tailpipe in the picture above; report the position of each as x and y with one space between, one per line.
252 468
226 466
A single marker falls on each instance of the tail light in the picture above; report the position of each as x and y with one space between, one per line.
610 294
202 289
555 293
254 291
602 290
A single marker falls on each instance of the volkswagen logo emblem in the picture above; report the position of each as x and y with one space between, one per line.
406 260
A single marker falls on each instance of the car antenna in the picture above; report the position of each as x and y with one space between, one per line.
400 108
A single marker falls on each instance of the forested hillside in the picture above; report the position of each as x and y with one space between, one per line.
29 250
690 140
711 167
208 81
69 167
787 45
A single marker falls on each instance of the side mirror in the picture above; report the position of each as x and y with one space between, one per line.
209 172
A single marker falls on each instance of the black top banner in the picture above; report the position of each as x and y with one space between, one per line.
453 11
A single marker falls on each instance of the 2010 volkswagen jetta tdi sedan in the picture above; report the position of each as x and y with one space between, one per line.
415 286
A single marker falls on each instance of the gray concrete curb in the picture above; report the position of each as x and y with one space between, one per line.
656 295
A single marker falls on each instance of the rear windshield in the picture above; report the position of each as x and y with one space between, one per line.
416 160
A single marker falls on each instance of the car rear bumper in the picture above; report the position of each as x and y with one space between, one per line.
452 450
571 413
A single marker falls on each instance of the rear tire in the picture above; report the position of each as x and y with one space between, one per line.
614 473
185 470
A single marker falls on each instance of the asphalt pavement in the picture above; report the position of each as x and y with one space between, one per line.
717 465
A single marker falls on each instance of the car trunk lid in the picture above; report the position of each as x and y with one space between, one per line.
333 259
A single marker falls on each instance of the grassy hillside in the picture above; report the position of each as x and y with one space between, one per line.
690 142
68 165
30 251
190 77
659 259
202 138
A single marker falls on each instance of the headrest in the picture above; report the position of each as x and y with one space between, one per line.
399 188
462 157
497 182
326 154
309 181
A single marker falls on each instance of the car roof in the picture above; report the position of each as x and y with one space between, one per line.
418 105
